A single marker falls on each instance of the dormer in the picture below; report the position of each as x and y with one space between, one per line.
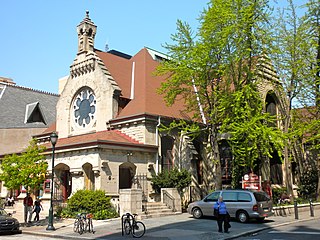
34 114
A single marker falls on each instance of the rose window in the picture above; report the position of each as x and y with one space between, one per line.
84 107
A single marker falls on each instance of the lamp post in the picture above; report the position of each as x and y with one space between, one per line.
53 139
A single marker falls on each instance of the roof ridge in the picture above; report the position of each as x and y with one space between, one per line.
30 89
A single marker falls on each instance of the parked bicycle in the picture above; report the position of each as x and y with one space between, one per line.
83 223
131 225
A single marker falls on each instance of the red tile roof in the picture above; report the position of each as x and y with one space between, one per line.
108 137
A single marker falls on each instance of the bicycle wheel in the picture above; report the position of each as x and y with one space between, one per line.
76 225
81 227
90 225
127 226
138 229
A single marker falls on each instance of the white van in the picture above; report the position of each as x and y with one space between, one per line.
241 204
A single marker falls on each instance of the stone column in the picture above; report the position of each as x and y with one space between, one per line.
130 201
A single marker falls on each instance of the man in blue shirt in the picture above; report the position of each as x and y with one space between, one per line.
223 215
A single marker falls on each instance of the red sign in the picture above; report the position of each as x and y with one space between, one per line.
251 181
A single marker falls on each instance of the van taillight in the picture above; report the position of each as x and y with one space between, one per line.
255 208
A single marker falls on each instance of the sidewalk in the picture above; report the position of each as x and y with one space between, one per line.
181 226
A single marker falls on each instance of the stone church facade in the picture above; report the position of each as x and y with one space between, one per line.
108 119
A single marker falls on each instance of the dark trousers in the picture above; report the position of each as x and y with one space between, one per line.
222 218
36 218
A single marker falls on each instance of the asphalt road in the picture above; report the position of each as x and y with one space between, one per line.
308 230
182 227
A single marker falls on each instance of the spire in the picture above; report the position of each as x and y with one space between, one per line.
86 33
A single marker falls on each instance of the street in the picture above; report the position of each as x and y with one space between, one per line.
182 226
177 227
308 230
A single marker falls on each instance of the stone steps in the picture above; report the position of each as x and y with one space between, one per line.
157 209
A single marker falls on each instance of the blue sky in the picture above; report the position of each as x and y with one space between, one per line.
39 40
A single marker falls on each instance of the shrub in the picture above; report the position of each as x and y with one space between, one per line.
171 179
89 201
308 183
276 194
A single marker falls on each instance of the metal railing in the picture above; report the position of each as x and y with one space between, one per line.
169 200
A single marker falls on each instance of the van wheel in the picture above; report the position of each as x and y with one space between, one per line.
197 213
242 216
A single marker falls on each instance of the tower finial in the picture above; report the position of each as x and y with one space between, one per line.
86 32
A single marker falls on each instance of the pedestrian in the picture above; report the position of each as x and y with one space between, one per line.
222 215
37 209
266 187
28 206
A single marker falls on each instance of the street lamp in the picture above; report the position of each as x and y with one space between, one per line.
53 139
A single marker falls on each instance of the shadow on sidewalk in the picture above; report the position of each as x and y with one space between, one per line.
58 223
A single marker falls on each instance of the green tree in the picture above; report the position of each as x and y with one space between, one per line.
171 179
289 61
298 64
27 169
312 22
210 64
253 134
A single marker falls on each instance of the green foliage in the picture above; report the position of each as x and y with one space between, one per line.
27 169
253 133
171 179
205 66
308 182
89 201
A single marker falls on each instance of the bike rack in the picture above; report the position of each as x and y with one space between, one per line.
122 223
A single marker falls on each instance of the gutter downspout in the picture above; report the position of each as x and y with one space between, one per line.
132 80
199 103
157 143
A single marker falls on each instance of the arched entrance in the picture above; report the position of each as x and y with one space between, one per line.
275 165
62 182
127 171
88 176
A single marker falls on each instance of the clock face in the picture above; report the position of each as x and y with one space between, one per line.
84 107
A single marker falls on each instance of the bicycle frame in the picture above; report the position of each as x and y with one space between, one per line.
83 223
129 225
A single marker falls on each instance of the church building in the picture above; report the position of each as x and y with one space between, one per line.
108 120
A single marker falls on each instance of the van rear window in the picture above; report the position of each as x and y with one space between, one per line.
261 197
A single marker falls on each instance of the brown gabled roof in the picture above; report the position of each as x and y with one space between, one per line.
108 137
146 100
120 69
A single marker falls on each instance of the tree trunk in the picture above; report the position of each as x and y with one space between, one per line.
212 177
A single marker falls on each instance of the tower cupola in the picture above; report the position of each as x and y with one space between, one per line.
86 33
